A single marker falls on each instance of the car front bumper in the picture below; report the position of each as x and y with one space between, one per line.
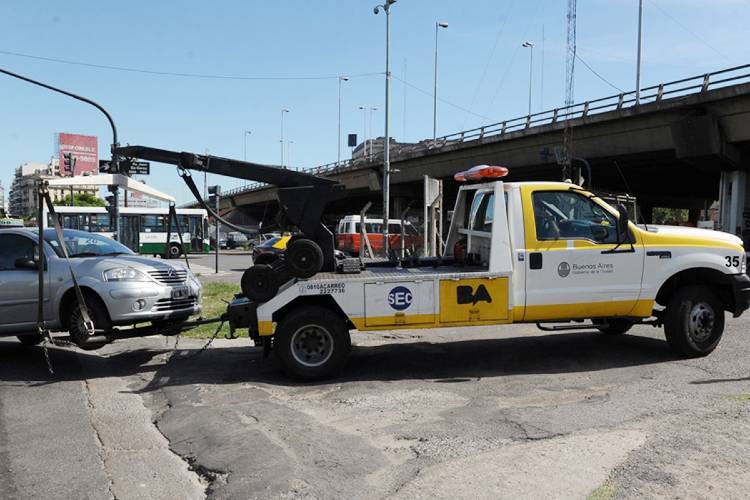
139 302
741 291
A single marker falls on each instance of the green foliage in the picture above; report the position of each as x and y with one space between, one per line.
670 216
83 200
214 295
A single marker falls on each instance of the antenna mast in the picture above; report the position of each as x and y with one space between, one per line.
570 63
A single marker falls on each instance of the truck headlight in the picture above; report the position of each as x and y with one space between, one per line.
124 274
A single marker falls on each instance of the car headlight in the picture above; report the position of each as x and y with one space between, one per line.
124 274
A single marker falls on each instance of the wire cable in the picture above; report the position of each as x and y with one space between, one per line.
180 74
695 35
425 92
600 76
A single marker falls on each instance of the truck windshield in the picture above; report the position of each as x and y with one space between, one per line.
83 244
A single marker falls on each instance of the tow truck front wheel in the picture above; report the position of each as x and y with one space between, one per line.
694 321
312 343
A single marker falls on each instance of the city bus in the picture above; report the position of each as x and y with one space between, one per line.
143 230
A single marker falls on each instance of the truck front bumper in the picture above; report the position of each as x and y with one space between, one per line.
741 291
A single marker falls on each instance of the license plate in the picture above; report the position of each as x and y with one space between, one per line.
181 292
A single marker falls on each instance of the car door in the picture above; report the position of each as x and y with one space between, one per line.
19 286
574 267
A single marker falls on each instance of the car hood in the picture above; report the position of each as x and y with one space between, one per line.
145 264
656 234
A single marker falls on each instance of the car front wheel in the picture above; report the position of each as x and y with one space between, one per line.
76 326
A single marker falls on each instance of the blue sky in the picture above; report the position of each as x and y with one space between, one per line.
483 69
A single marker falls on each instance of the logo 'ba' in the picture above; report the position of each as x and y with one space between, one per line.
467 295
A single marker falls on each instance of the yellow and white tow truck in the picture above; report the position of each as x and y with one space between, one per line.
549 253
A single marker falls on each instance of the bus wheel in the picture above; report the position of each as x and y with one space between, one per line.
304 258
312 343
174 251
259 283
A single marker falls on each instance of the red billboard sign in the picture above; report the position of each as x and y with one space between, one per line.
84 149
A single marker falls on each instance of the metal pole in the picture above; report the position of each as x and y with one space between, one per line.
216 203
434 90
244 137
387 144
530 45
341 79
438 25
284 110
638 64
541 85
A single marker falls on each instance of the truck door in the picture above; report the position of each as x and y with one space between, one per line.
573 268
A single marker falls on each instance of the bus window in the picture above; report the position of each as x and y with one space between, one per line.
99 223
153 224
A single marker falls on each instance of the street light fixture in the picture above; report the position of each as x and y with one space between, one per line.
386 7
341 79
283 110
530 46
438 25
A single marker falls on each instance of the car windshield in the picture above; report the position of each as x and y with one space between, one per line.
83 244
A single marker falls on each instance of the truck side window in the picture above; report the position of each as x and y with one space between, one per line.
483 212
566 215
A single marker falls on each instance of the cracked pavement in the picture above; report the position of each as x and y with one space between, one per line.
482 412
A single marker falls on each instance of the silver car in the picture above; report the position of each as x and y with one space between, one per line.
119 287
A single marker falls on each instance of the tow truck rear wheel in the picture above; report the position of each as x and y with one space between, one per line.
694 321
613 326
303 257
259 283
312 343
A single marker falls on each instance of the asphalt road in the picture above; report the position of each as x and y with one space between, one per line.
481 412
232 263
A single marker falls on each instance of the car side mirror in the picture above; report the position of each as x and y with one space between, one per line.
26 263
623 232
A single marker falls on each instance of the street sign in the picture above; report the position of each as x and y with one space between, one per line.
104 166
138 168
352 142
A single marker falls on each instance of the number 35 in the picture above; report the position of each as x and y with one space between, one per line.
733 261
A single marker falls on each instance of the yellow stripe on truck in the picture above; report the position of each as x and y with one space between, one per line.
641 309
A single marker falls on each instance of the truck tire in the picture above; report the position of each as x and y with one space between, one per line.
98 314
312 343
694 321
266 258
304 258
259 283
613 326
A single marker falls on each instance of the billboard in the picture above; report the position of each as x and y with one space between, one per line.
83 148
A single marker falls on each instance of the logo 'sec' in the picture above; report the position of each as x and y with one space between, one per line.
563 269
400 298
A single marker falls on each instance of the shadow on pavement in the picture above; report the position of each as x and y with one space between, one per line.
448 362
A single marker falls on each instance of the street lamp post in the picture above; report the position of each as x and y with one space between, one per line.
283 110
387 140
341 79
638 64
244 136
289 153
364 131
369 127
530 46
438 25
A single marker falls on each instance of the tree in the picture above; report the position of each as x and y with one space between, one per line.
83 200
670 216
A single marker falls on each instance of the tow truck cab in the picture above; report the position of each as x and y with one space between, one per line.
538 252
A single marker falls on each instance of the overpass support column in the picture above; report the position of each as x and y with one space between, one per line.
734 215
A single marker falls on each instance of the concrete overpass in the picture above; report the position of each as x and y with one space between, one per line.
670 150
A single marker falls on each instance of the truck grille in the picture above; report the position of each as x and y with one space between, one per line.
169 276
173 305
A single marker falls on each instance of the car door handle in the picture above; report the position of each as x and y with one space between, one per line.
535 260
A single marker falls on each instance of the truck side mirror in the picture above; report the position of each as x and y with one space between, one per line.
623 232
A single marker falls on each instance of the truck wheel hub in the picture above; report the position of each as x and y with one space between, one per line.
312 345
701 322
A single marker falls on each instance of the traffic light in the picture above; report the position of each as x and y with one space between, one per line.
69 163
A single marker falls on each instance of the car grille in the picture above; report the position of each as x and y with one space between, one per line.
162 305
169 276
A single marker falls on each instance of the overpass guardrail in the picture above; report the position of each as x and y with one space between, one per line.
654 93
